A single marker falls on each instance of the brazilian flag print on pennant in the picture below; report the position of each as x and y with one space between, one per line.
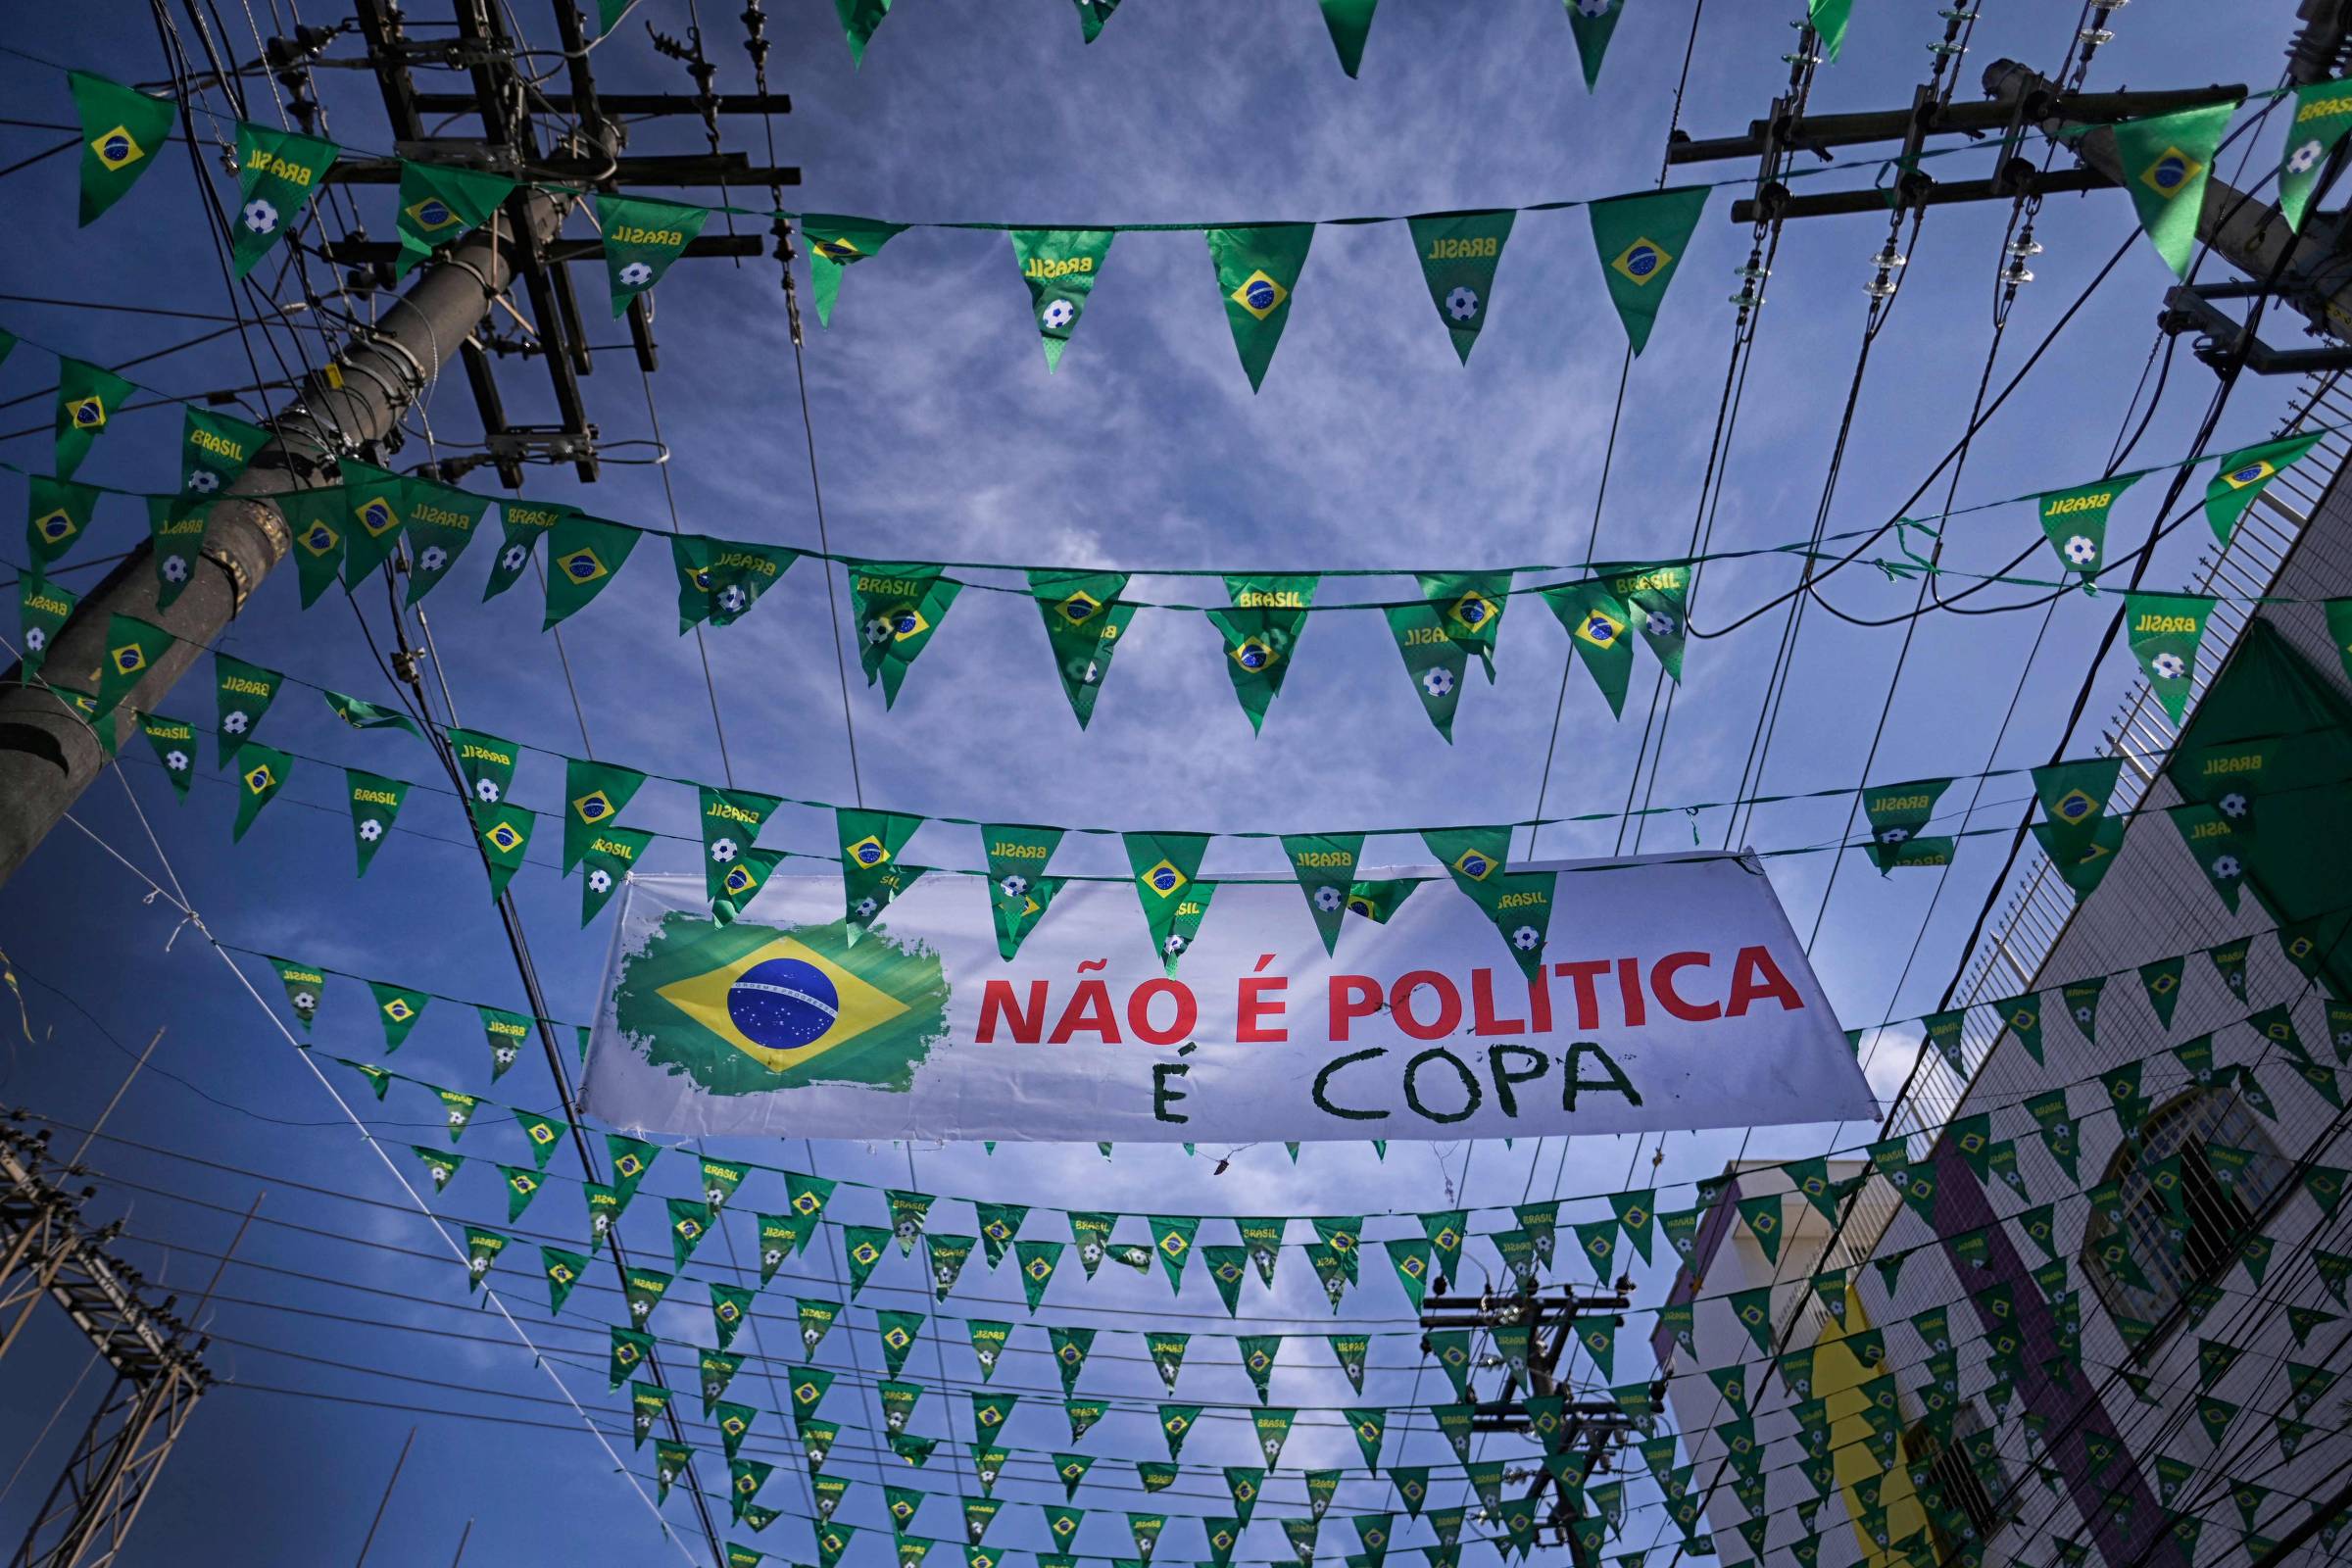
1458 253
2083 869
1084 623
121 132
720 579
1019 893
898 607
1325 865
2162 982
522 526
2245 473
176 527
442 522
439 204
132 647
215 450
2164 630
174 742
1348 22
870 872
1261 633
1593 22
836 242
1896 812
1434 661
262 773
89 397
375 802
244 692
57 513
505 832
640 239
1597 622
278 173
376 503
582 555
1469 609
1166 868
1377 901
1060 265
595 794
2323 114
2166 160
1258 270
314 519
2075 520
399 1010
1641 239
2074 796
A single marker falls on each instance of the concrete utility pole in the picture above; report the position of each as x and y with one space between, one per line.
48 754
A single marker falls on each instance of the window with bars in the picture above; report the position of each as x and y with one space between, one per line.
2178 1250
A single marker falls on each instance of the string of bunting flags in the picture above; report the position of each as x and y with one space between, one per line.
1639 239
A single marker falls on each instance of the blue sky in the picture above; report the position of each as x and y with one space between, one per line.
940 434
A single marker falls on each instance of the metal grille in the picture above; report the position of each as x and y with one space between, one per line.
2178 1255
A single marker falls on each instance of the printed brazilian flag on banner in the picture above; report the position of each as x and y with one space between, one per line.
121 132
1084 623
582 555
376 505
262 773
1599 628
1257 269
871 873
1261 633
2075 520
595 795
640 239
1060 265
279 172
1657 594
836 242
731 821
57 513
2165 162
720 579
439 204
1593 21
898 607
315 520
747 1008
1469 609
89 397
215 450
132 647
1458 253
1640 241
505 831
1167 867
2247 473
2074 797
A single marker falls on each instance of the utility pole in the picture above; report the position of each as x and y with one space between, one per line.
2309 273
53 1251
1594 1425
48 751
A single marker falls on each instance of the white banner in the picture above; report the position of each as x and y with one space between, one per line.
1683 1001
